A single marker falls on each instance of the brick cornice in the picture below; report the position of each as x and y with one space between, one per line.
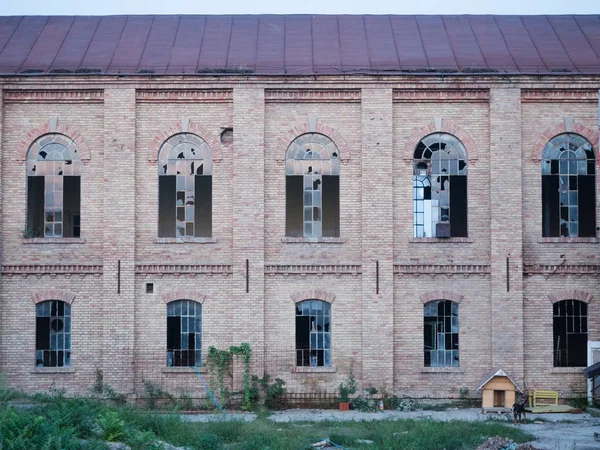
53 96
184 95
312 126
50 269
61 128
52 294
560 128
431 296
183 294
441 96
181 269
559 96
562 269
442 269
193 128
570 294
313 294
312 96
447 126
313 269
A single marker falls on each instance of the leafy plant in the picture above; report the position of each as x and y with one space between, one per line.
112 427
365 404
274 393
106 391
153 393
348 387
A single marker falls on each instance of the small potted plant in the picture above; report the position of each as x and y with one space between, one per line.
347 388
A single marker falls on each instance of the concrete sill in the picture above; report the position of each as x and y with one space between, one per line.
40 240
442 370
567 240
53 370
321 240
202 369
307 369
435 240
578 370
186 240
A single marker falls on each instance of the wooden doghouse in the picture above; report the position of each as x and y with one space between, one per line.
499 391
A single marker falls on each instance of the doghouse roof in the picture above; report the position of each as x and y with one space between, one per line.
499 373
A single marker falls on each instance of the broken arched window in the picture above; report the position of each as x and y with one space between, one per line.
184 187
440 187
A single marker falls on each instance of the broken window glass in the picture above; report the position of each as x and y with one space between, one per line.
440 187
53 188
441 333
184 333
53 334
312 187
568 187
185 187
570 333
313 333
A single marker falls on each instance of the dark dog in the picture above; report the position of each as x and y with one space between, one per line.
518 409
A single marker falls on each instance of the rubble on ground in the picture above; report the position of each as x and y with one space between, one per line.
500 443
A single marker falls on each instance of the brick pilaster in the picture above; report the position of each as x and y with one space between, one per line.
249 223
119 238
377 239
506 223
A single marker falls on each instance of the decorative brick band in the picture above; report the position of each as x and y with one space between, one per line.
570 294
61 128
562 269
183 294
176 128
441 295
560 128
53 294
316 269
176 269
52 269
318 294
184 95
312 125
441 269
312 96
446 126
440 96
559 96
54 96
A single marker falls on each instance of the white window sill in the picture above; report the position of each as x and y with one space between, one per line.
186 240
50 370
442 370
57 240
309 369
312 240
432 240
202 369
578 370
568 240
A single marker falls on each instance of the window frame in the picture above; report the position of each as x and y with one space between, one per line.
60 356
186 357
451 354
318 352
557 317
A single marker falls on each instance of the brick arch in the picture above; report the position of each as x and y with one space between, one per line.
65 129
183 294
313 294
441 295
560 128
312 126
192 128
570 294
447 126
53 294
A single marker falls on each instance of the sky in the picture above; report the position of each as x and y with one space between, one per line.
107 7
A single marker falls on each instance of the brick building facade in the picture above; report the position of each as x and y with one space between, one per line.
97 285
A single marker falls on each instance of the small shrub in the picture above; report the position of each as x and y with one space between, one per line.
406 404
209 442
106 391
143 440
154 395
112 427
371 390
348 387
184 402
365 404
274 393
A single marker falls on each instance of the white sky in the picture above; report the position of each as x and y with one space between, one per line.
107 7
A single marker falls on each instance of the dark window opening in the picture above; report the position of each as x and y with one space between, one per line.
53 334
441 334
184 333
149 288
313 334
570 333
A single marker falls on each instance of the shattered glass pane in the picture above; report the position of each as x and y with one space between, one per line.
313 337
184 333
53 334
441 331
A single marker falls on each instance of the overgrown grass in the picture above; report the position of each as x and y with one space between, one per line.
55 422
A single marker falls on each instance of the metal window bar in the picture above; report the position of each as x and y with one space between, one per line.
189 351
53 334
316 352
441 331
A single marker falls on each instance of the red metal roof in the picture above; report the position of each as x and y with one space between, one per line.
300 44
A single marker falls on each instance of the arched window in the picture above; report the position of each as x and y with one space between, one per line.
570 333
441 333
53 334
312 187
53 188
440 187
568 187
313 333
184 333
185 187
